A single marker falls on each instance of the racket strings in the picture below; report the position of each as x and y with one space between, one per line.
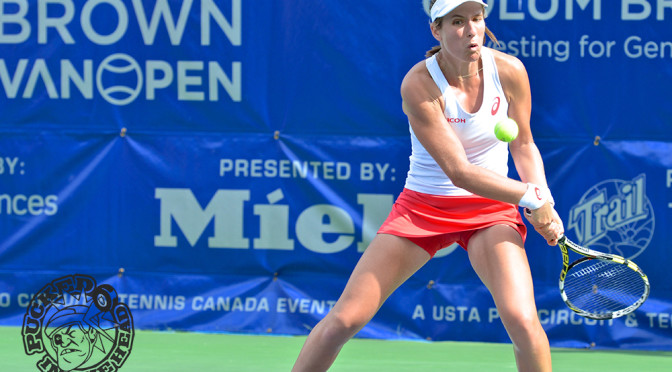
602 287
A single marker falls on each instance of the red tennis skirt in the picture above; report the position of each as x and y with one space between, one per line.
434 222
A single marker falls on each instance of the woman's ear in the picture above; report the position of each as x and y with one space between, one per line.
435 32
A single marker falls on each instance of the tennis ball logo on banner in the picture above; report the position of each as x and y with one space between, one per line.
78 325
119 65
614 216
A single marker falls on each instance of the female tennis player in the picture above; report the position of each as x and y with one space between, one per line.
457 190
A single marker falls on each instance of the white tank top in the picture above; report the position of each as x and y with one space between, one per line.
476 132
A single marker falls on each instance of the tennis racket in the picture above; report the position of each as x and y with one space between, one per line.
600 285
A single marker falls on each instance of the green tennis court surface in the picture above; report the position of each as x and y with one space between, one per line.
178 351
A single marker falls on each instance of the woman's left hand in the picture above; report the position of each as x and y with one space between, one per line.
546 222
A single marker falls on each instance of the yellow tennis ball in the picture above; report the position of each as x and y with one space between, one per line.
506 130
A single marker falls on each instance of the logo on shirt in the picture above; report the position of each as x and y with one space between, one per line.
457 120
495 106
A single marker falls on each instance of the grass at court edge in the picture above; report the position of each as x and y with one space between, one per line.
184 351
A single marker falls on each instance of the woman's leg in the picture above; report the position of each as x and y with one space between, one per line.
385 265
499 259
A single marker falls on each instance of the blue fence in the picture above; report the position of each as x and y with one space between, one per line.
223 164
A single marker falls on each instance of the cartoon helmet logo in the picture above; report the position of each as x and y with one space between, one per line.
78 325
71 337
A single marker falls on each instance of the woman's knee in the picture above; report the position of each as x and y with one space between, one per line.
343 324
519 321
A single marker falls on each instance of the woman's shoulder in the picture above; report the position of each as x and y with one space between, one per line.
418 71
418 88
510 69
417 77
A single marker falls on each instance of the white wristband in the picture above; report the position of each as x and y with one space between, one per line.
550 197
534 198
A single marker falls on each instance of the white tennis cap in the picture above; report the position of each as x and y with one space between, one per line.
443 7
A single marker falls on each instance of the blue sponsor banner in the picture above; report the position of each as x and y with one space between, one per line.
224 163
